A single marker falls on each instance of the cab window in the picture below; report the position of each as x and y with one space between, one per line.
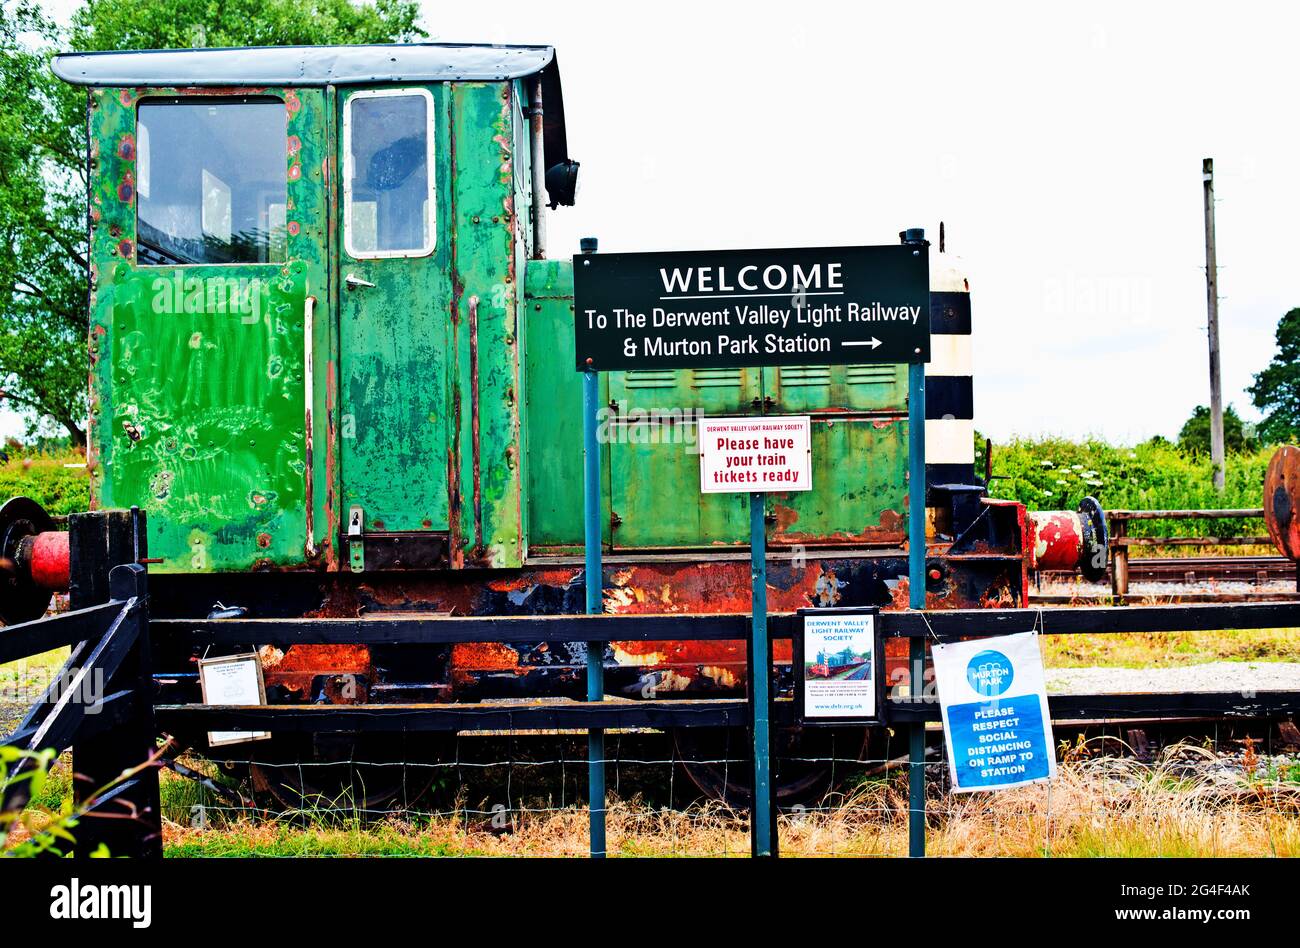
388 181
211 181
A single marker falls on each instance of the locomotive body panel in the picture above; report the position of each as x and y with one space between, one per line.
199 398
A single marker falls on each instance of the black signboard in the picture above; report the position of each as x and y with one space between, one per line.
738 308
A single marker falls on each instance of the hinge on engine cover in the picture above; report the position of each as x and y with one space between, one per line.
356 546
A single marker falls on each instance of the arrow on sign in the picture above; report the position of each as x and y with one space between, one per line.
873 342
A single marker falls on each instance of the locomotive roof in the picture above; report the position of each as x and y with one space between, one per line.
304 65
325 65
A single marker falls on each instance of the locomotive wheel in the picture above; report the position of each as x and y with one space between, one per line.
368 775
805 762
1281 500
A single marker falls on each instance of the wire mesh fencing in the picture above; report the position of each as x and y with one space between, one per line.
847 795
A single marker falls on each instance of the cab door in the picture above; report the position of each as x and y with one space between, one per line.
395 331
208 220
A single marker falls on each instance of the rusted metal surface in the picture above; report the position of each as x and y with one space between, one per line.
295 669
1282 501
1057 539
642 587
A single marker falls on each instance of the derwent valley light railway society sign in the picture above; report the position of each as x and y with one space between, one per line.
739 308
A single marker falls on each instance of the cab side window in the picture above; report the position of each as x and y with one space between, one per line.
211 182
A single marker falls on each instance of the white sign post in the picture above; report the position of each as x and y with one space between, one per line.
755 455
995 717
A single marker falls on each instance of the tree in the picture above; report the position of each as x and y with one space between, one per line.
1195 436
1276 391
43 363
43 293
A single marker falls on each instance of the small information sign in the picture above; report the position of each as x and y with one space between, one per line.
743 455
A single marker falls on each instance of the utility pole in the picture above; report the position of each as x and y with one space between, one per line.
1212 304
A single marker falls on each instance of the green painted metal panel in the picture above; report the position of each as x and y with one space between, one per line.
487 382
655 492
859 487
654 480
553 410
199 412
395 366
726 391
795 389
859 493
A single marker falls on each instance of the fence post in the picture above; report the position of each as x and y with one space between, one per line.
1118 557
595 583
762 829
916 488
127 821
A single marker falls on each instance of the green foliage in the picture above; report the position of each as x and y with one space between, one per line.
1194 438
1053 474
42 803
57 488
42 226
44 836
178 24
1276 391
43 318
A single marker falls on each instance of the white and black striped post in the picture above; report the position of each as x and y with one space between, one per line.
949 395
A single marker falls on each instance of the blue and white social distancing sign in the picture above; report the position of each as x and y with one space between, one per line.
995 719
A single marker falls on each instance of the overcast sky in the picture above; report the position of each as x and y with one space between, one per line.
1061 145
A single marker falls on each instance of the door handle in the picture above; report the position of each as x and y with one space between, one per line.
354 281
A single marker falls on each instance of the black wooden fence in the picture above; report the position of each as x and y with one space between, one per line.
109 631
100 705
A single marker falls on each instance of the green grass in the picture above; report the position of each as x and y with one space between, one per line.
24 680
1168 649
279 839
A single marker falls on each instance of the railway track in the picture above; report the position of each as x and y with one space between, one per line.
1259 570
1200 569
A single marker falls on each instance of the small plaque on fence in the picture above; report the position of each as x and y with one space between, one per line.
839 666
233 680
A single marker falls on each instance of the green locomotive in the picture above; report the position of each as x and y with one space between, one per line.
331 362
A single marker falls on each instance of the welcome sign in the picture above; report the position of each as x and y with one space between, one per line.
741 308
996 723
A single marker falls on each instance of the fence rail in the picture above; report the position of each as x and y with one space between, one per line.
1121 542
432 630
113 635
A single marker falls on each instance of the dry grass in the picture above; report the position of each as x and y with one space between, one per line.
1189 804
1146 649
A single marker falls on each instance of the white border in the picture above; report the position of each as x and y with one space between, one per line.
432 212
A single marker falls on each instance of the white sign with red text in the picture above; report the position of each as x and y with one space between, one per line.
772 453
